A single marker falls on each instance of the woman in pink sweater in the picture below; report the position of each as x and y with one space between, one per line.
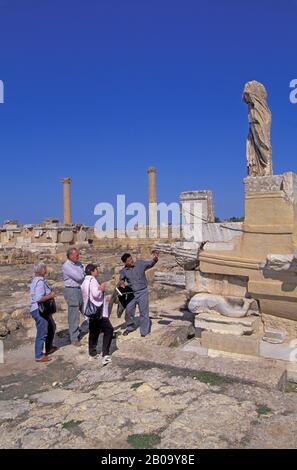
99 321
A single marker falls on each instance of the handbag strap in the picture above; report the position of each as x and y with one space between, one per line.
89 291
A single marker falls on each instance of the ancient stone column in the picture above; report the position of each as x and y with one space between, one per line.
67 204
153 212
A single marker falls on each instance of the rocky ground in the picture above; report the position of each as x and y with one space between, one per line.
156 393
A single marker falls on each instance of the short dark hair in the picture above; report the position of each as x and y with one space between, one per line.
90 268
125 257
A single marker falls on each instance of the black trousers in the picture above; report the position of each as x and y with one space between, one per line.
50 333
99 325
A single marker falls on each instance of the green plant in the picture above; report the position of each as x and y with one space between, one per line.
143 441
71 424
210 378
136 385
263 410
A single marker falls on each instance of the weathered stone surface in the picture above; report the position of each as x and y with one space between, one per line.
52 397
194 345
170 278
278 351
52 235
186 254
227 286
274 336
20 313
259 150
13 325
223 329
38 233
226 325
275 432
3 330
66 236
176 333
282 324
251 322
81 236
284 265
282 262
89 378
12 409
287 183
260 371
188 199
200 429
230 307
4 316
230 343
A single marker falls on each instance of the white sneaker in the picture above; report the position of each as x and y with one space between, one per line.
106 360
92 358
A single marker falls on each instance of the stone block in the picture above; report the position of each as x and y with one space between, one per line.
4 316
38 233
252 322
274 336
235 344
195 346
223 329
3 330
170 278
278 351
176 333
227 325
218 284
81 236
66 236
52 235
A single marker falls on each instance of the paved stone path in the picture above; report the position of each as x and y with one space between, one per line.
150 396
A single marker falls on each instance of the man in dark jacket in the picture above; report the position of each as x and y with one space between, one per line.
133 276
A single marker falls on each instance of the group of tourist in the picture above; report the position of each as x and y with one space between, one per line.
85 295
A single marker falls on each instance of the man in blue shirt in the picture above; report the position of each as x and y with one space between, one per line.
133 276
73 276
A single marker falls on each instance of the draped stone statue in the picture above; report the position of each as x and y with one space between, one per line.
258 148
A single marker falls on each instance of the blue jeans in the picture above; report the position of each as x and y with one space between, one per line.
45 333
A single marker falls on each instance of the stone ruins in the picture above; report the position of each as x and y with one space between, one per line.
241 276
219 368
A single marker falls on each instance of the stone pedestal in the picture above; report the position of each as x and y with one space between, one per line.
270 227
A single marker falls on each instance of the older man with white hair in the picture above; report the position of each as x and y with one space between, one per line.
40 292
73 275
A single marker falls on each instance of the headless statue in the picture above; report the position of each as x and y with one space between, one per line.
258 148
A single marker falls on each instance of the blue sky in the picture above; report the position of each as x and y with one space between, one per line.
101 89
